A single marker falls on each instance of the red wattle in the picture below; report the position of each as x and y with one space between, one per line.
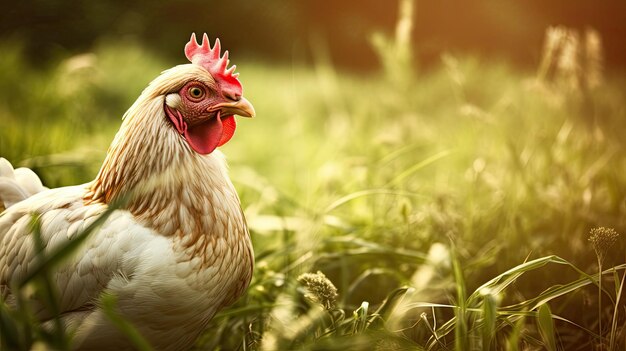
229 126
205 137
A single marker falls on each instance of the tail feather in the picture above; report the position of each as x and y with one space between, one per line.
17 184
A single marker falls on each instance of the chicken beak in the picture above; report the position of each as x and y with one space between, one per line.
241 107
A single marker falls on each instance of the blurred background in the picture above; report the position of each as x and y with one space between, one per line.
281 31
428 157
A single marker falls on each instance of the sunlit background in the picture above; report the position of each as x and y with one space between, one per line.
412 151
282 31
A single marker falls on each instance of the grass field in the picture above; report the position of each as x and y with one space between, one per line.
450 207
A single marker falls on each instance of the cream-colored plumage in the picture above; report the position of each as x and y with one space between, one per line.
174 255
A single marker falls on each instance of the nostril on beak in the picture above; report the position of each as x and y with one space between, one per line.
232 96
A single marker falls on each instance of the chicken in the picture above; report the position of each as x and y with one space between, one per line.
178 250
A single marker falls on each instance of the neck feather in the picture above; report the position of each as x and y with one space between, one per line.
167 186
142 151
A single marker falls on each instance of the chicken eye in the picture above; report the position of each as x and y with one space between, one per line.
196 92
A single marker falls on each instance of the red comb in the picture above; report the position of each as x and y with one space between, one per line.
210 59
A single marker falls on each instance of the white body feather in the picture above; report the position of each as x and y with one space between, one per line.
17 185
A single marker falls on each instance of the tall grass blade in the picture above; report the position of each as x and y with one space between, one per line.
513 339
47 290
502 281
415 168
461 335
616 309
558 291
363 193
546 327
9 330
388 305
109 303
489 320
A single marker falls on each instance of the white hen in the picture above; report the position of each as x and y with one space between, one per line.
178 250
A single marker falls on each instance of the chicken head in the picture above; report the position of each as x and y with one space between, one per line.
203 110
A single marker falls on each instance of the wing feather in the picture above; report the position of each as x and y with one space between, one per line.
85 274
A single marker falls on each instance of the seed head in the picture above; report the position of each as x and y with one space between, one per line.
568 64
593 58
602 239
320 289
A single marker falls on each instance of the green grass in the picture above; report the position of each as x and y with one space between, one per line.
450 207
